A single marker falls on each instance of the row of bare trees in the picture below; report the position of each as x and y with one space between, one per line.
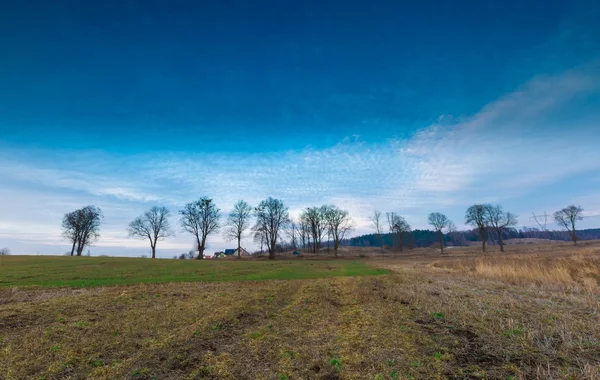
326 223
487 216
483 217
201 218
399 227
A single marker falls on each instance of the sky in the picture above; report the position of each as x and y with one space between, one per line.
396 106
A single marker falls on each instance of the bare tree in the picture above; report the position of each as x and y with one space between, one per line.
339 224
477 217
4 252
294 233
81 227
259 237
500 221
238 221
271 217
455 236
567 217
314 218
398 227
200 218
441 224
377 225
154 225
304 234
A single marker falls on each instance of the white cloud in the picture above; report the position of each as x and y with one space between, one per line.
512 145
511 148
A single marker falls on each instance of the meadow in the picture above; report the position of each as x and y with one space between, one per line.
419 315
52 271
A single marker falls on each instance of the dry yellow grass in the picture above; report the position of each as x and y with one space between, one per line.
576 270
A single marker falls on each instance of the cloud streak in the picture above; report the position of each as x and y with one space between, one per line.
528 140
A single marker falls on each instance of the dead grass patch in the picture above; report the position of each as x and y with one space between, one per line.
577 271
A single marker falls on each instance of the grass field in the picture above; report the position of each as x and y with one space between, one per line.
48 271
428 317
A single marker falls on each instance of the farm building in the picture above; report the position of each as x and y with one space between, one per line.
234 252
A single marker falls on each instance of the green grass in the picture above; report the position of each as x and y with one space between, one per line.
52 271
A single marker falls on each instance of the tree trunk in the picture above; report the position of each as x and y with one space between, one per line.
271 251
73 248
483 239
198 244
201 249
500 240
272 245
573 233
441 239
239 247
154 251
79 247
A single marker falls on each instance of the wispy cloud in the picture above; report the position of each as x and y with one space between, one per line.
513 145
523 142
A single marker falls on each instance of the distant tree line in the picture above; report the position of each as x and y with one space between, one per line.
317 227
428 238
492 225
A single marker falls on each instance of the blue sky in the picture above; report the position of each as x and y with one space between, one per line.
411 108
